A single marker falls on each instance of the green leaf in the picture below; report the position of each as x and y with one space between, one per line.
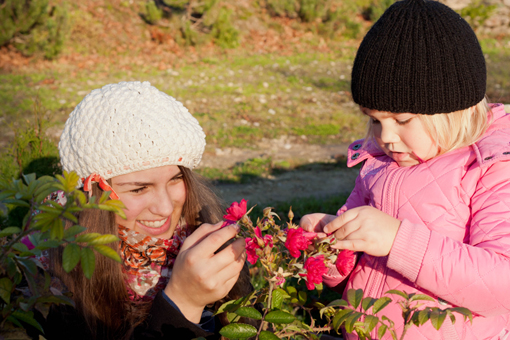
292 291
71 256
249 312
29 178
354 297
9 231
452 317
398 292
103 239
340 317
81 197
302 297
279 317
29 265
16 202
421 297
351 320
87 237
108 252
48 244
267 335
423 316
339 302
27 317
70 217
6 289
277 299
88 262
437 318
20 247
380 304
370 322
74 230
57 230
382 330
367 303
104 196
238 330
463 311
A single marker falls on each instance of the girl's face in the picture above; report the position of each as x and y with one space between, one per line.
402 137
154 199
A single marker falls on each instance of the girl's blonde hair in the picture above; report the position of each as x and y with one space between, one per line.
453 130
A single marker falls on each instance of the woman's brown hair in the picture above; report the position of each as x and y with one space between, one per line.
103 300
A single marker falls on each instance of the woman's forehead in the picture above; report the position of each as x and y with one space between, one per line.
148 176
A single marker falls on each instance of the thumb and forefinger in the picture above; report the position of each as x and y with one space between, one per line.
316 222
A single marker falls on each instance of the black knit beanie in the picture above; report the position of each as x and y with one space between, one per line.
419 57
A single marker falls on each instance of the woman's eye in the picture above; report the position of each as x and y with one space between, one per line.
138 190
177 178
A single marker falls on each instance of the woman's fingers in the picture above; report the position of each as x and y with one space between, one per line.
215 235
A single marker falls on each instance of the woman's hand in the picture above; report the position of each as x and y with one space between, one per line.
365 229
199 276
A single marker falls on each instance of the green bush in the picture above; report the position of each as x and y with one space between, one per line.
152 13
477 12
375 9
34 27
283 8
224 33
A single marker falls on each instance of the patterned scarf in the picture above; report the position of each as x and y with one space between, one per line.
148 261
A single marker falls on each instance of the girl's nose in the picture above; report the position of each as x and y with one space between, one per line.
389 136
162 204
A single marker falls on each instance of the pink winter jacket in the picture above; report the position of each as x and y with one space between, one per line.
454 240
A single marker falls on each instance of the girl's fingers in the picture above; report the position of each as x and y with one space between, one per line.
315 222
339 221
354 245
346 231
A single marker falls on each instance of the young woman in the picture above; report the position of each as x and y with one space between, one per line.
141 144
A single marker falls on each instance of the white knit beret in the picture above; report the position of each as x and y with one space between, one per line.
127 127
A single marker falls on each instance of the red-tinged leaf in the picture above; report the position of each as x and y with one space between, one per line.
380 304
354 296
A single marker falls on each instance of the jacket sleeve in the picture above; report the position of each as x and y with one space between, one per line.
475 274
166 322
333 277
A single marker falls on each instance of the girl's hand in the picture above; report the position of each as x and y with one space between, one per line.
199 276
365 229
316 223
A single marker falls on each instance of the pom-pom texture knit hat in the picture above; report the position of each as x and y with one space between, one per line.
127 127
419 57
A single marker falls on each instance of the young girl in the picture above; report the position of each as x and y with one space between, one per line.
141 144
430 211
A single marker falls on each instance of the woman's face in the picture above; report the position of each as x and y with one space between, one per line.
154 200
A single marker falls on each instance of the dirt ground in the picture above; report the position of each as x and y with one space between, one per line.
314 181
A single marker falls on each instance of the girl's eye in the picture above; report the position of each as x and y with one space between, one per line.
136 191
403 122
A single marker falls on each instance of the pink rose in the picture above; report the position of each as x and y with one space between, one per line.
252 245
345 261
315 268
235 212
26 241
297 240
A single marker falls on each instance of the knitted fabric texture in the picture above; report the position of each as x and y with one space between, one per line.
419 57
127 127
